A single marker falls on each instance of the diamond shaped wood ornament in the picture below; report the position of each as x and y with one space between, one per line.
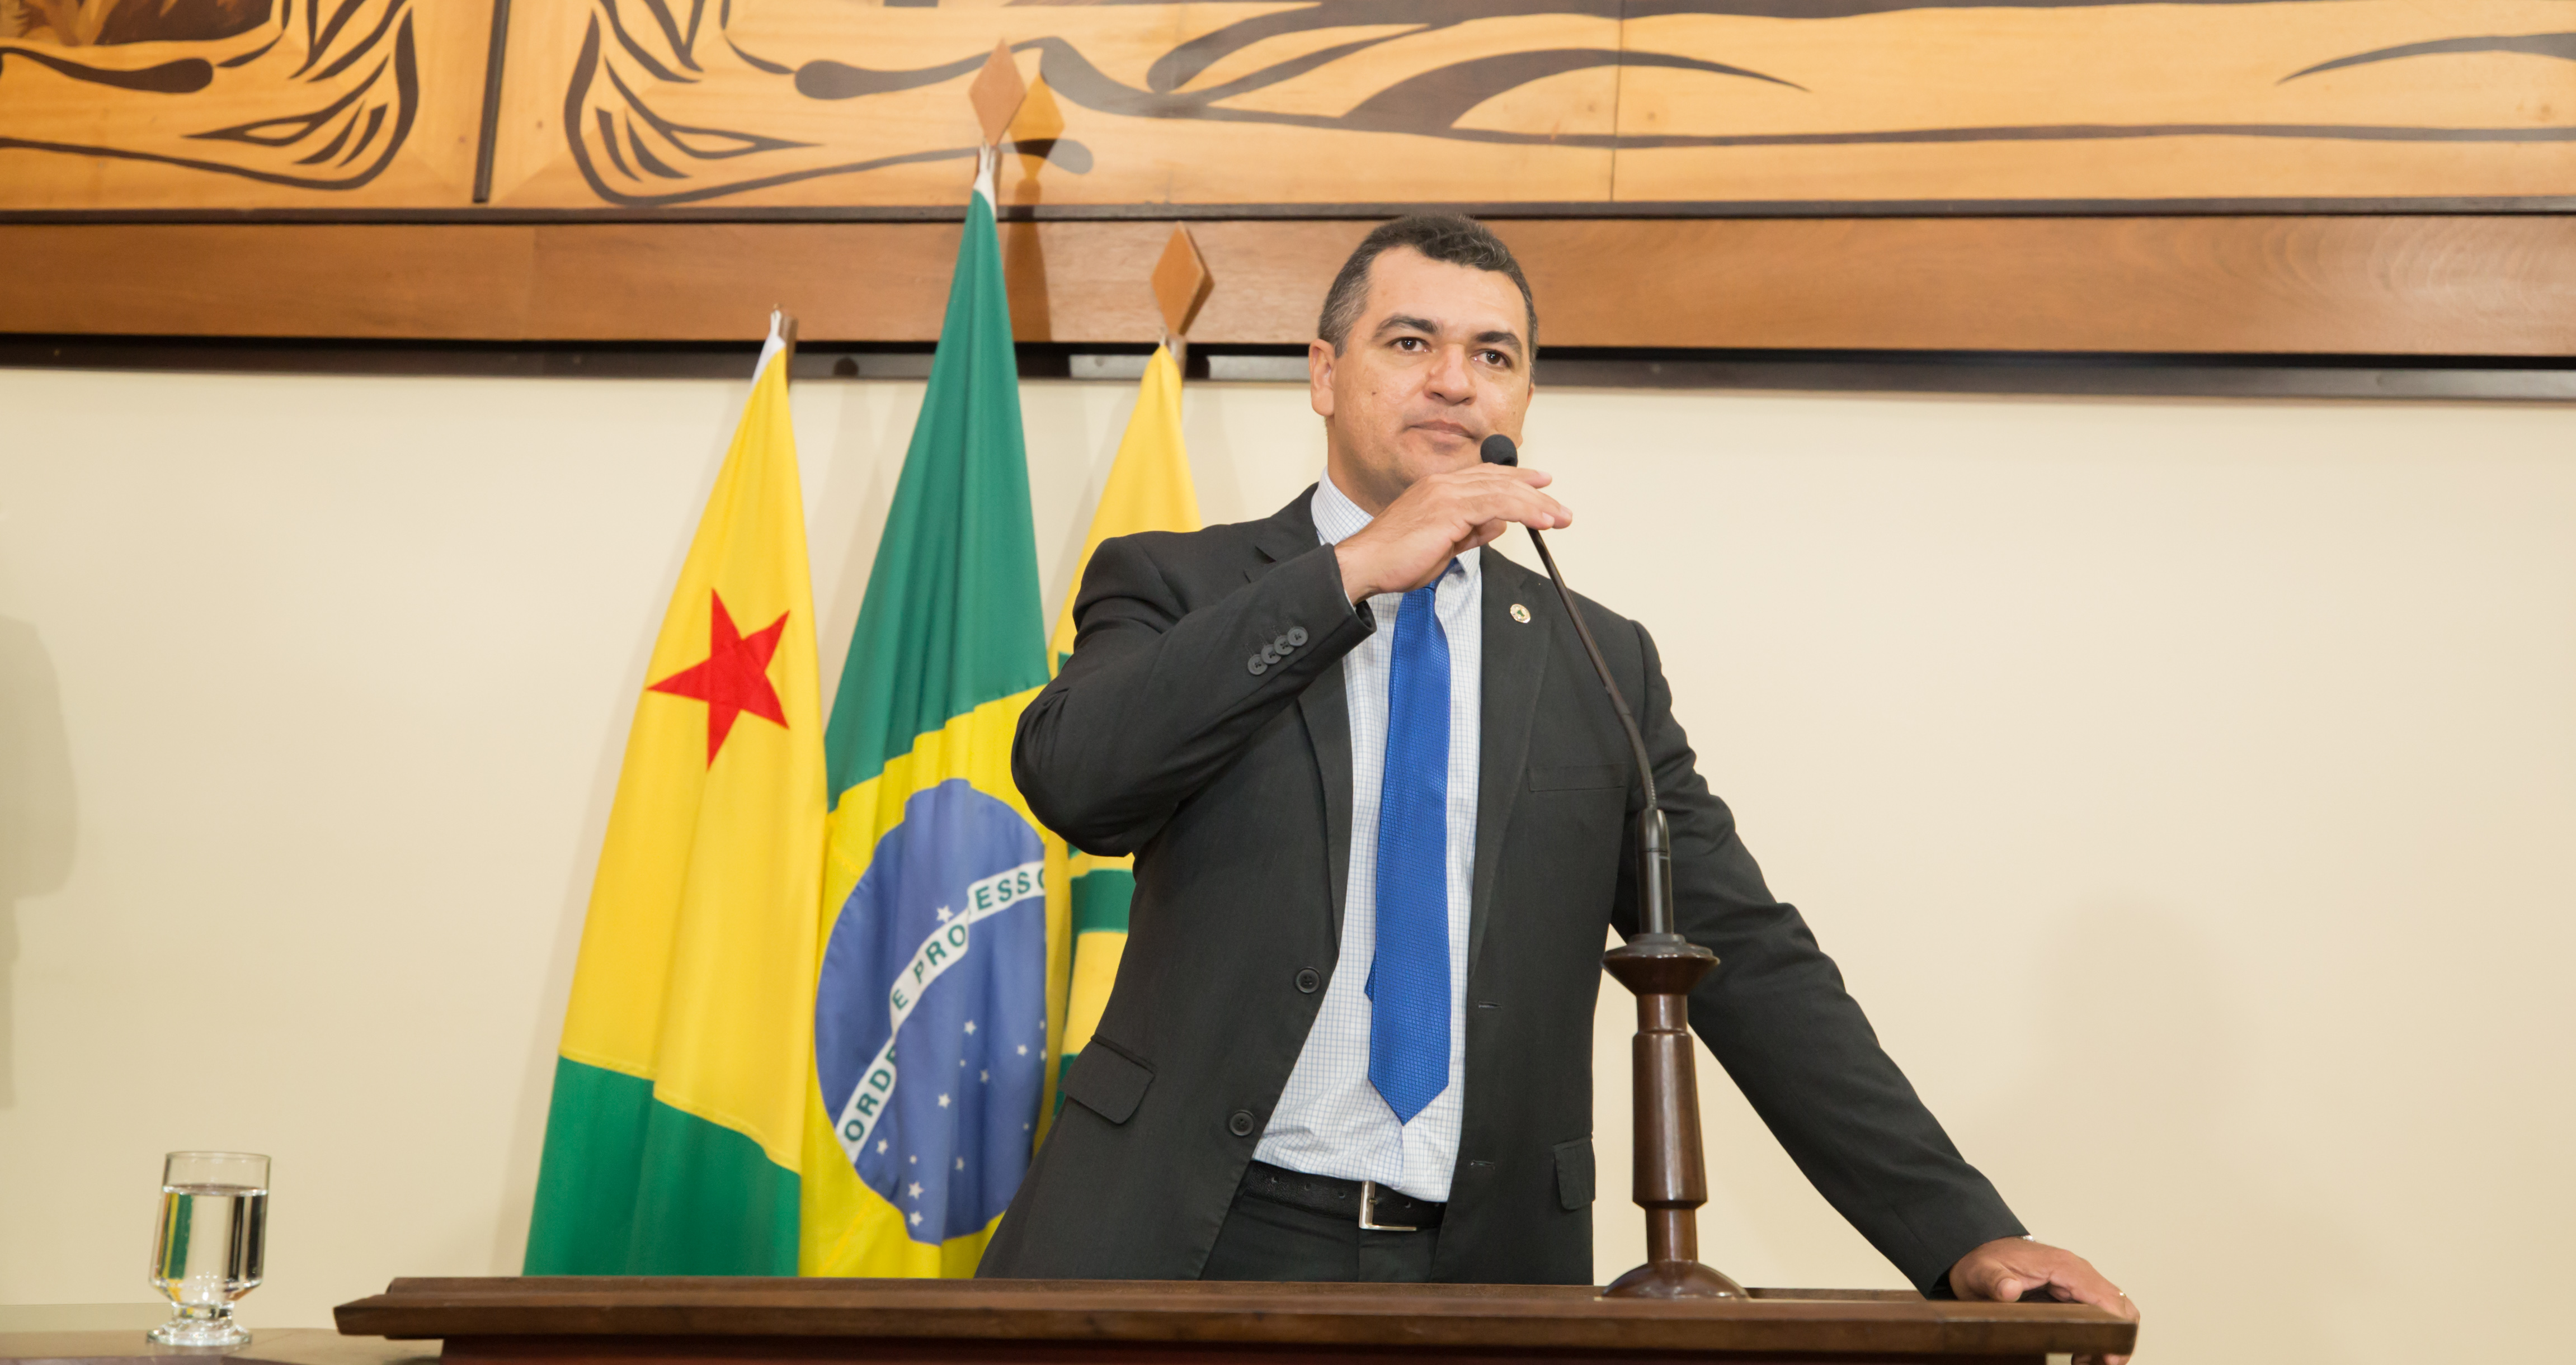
997 93
1181 282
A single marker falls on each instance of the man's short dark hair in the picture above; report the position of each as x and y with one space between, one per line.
1442 237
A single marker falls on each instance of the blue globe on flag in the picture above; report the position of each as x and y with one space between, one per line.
929 1017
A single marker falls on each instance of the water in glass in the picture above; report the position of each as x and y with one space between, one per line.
206 1254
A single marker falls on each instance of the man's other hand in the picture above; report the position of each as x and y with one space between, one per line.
1441 517
2005 1269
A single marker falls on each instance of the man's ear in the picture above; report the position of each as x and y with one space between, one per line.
1319 376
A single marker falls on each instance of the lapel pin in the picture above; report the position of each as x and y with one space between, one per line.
1520 613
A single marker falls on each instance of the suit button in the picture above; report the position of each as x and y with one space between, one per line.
1257 666
1241 1124
1296 636
1269 654
1309 980
1283 644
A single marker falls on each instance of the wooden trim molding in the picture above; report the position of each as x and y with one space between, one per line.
1984 373
563 1319
2273 206
2431 285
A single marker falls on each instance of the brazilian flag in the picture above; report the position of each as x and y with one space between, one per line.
942 963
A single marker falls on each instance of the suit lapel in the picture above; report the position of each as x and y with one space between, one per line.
1515 656
1284 534
1325 706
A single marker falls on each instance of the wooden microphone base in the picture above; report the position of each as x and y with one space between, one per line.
1673 1280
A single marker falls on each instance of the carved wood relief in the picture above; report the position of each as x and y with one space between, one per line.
1721 105
238 103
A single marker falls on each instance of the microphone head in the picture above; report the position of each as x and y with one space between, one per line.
1498 449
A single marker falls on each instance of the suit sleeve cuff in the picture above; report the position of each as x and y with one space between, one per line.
1302 622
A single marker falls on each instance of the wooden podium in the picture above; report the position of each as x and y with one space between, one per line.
636 1321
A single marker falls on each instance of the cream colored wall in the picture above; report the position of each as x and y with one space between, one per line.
2184 787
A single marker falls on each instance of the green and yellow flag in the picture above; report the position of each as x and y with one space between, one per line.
942 951
674 1136
1148 490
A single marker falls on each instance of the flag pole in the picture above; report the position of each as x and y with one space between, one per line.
950 644
784 323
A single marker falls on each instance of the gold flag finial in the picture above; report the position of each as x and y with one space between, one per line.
997 93
1181 283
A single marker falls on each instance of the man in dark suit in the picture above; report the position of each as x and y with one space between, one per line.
1379 808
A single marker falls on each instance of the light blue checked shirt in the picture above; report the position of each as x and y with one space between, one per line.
1330 1120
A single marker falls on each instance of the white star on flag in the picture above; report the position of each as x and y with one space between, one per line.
943 1101
881 1146
970 1026
916 1218
961 1163
943 914
1024 1049
983 1075
916 1189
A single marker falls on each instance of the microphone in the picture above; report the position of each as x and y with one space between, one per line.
1654 833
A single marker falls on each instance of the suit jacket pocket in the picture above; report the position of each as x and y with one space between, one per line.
1578 777
1108 1082
1573 1172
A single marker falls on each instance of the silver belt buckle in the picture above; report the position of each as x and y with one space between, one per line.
1368 1211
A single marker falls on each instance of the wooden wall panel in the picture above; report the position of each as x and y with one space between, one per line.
227 105
857 281
646 106
267 280
2375 285
2077 100
2503 286
888 282
1714 102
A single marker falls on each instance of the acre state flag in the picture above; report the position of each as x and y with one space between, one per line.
942 971
673 1141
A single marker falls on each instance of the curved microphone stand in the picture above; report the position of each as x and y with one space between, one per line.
1659 967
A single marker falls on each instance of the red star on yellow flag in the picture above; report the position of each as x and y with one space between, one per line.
733 678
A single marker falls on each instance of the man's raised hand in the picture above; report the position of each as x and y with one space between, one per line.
1440 517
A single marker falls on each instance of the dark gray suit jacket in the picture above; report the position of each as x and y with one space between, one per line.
1231 784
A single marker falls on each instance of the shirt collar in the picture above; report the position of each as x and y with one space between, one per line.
1337 519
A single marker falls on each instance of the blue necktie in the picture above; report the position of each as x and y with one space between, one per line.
1409 978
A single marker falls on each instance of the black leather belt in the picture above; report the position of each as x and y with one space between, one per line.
1375 1207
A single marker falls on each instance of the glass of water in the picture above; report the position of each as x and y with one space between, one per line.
214 1224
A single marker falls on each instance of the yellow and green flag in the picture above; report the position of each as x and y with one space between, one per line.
1148 490
942 948
673 1141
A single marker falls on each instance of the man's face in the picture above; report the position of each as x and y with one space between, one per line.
1437 361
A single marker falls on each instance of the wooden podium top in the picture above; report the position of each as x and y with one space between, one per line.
678 1321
